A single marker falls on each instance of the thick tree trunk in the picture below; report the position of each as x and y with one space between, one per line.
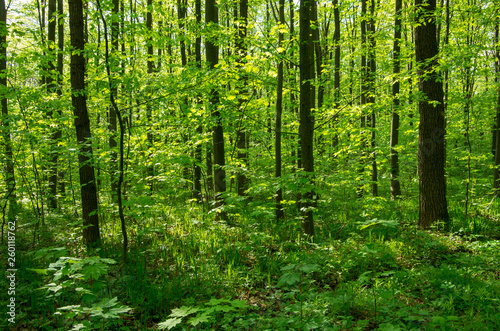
431 141
396 64
212 57
91 234
306 124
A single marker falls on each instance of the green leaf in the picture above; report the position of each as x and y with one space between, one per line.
201 318
290 278
308 268
239 303
183 311
169 324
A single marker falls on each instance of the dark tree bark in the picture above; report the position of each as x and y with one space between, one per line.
396 69
51 88
212 57
336 56
91 234
151 69
371 96
199 148
10 178
496 172
60 73
431 141
363 101
112 118
306 124
277 124
241 133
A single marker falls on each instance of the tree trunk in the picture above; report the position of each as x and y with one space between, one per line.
277 124
112 118
396 64
336 70
91 234
431 140
371 96
51 88
496 172
212 57
241 134
150 64
306 124
4 119
199 147
362 102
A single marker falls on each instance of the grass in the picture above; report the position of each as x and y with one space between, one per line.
368 269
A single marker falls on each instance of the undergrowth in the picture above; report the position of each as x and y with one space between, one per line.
369 269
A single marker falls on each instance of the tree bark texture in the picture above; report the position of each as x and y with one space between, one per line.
396 68
212 57
91 234
431 141
277 124
10 178
306 123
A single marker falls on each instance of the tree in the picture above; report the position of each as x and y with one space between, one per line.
496 135
306 124
10 178
150 64
431 139
51 88
112 116
212 56
363 99
241 133
88 189
396 68
279 110
371 96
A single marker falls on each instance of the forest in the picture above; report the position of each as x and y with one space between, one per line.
250 165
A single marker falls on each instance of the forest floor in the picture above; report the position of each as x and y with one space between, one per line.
185 272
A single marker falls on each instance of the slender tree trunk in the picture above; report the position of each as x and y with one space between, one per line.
363 101
91 234
306 124
336 70
10 179
112 118
372 69
51 88
212 57
431 141
60 76
241 134
396 64
277 124
199 148
151 69
496 172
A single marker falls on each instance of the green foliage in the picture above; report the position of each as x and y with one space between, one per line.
82 279
204 313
